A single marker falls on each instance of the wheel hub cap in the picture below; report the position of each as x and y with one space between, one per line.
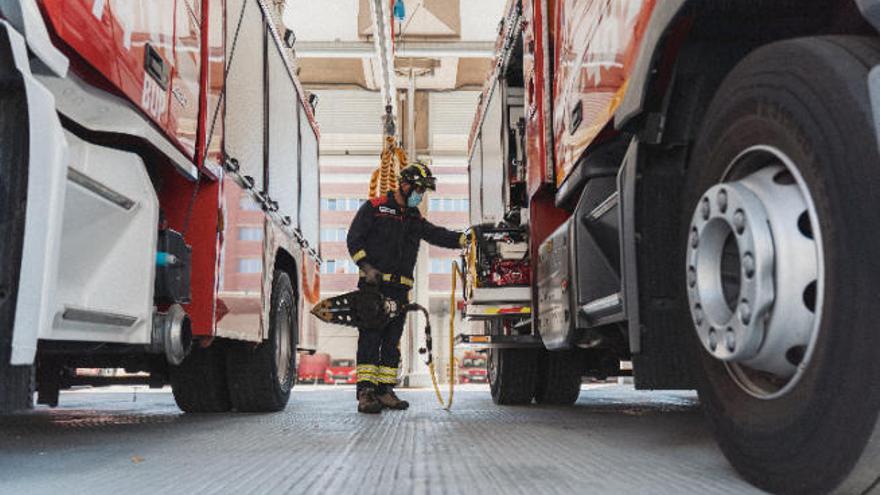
754 272
730 228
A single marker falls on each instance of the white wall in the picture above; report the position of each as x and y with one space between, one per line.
323 20
329 20
480 18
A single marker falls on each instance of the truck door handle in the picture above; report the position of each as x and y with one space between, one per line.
155 66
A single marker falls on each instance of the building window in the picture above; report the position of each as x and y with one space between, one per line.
350 267
250 234
250 265
341 204
339 267
334 234
441 265
247 203
449 204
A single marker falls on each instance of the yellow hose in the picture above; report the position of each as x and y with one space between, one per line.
456 273
447 405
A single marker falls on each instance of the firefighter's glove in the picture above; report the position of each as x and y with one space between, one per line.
372 276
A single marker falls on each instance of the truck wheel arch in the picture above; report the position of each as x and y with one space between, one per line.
285 262
15 381
44 190
670 32
25 16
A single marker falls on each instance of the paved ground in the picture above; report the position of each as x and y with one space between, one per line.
614 440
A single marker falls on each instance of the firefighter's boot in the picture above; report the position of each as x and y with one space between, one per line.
390 400
367 402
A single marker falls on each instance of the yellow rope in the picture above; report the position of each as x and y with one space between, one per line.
392 160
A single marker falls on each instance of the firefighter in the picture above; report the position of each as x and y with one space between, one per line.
384 241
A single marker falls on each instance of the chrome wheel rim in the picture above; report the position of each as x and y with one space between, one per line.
755 272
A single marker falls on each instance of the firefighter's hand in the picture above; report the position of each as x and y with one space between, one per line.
372 276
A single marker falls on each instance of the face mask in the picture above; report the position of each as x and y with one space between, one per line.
414 199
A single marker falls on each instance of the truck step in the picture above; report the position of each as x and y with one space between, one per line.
607 206
488 295
101 190
97 317
499 341
103 284
605 310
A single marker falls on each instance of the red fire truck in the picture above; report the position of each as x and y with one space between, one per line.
690 186
159 189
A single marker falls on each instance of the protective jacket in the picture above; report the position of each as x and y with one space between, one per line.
387 236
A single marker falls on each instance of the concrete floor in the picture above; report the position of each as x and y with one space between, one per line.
615 440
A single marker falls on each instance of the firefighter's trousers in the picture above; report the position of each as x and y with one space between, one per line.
378 352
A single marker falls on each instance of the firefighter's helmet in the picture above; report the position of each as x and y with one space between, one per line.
418 174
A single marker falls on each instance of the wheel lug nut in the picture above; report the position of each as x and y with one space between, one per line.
713 340
698 316
730 340
748 265
695 238
722 201
692 277
745 312
739 221
705 209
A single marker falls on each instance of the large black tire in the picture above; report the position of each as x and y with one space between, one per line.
512 374
16 382
559 378
260 377
199 383
808 98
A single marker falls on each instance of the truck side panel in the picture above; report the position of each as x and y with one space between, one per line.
538 18
148 50
486 169
596 44
177 198
536 60
309 223
269 202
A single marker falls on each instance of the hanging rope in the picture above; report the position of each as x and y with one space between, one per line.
392 160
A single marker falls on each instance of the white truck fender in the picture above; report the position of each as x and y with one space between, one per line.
47 171
25 16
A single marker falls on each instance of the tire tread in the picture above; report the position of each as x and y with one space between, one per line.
250 368
559 378
516 376
199 383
